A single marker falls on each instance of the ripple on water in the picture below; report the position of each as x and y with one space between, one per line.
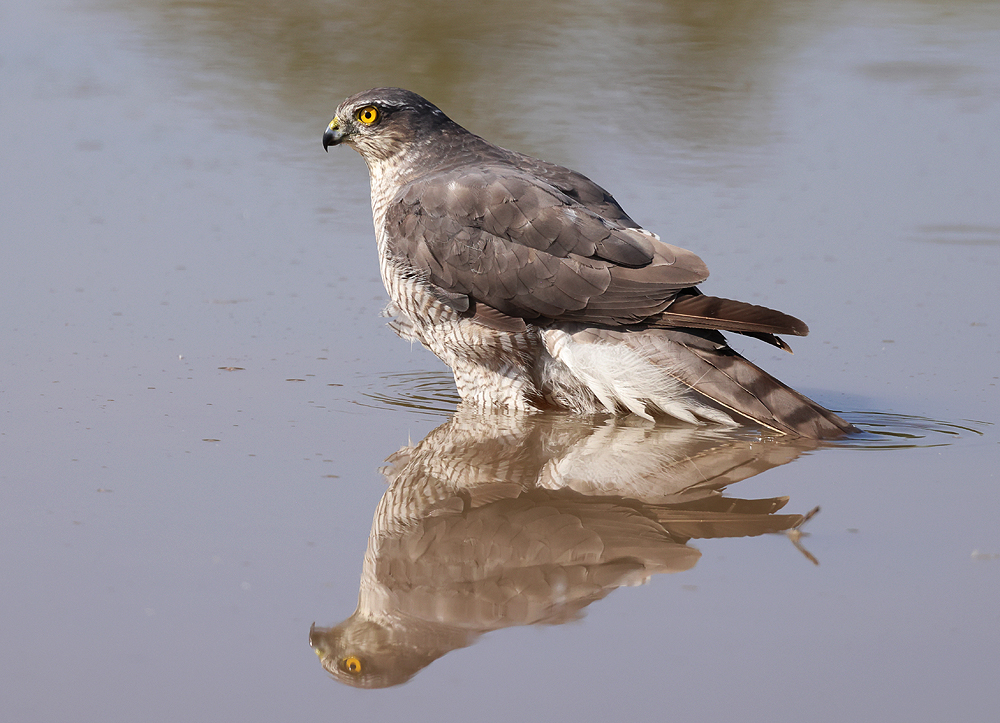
434 394
430 393
882 430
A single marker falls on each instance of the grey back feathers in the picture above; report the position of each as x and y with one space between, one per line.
497 262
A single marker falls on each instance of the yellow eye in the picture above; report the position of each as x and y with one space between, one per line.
351 664
368 115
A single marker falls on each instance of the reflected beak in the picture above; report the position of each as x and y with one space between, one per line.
333 135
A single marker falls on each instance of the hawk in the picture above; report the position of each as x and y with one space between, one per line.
539 291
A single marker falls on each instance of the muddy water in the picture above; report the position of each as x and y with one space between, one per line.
197 394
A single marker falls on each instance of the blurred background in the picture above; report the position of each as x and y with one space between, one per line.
197 392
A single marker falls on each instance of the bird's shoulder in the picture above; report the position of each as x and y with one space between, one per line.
513 200
530 239
576 186
473 161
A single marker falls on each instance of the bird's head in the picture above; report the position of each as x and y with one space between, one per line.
368 654
383 122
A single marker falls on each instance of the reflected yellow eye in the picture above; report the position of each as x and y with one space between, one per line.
368 115
351 664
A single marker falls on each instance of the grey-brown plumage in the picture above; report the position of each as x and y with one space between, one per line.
502 520
533 284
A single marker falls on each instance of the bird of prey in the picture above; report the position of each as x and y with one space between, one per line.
539 291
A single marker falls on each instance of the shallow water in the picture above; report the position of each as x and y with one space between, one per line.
197 394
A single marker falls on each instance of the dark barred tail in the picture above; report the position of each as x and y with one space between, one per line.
712 369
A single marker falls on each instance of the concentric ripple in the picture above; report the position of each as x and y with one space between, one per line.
899 431
431 393
434 393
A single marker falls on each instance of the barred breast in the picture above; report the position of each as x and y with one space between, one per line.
492 368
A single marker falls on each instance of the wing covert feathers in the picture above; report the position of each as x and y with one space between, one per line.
527 249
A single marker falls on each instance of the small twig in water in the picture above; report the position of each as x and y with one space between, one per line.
796 534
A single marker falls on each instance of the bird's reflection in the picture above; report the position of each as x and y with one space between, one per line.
501 520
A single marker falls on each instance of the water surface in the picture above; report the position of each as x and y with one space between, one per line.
197 394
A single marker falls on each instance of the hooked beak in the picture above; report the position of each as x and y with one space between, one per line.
333 135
